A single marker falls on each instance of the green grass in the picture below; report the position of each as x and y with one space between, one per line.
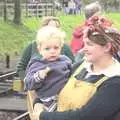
115 17
13 39
68 23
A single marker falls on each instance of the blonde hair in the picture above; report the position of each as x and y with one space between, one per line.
49 33
47 19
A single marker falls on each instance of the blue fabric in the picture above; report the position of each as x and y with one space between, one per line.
55 80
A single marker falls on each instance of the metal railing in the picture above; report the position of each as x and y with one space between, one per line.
22 116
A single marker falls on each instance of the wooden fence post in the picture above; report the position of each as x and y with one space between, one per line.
5 10
7 61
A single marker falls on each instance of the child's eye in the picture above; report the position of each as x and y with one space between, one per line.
47 48
56 47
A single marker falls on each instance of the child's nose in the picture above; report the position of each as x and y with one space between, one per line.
52 50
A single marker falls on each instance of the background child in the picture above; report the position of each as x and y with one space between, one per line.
48 74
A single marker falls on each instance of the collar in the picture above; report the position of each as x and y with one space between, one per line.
112 70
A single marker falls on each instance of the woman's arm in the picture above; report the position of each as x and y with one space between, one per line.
104 104
25 58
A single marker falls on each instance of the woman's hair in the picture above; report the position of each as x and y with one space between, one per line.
101 33
91 9
49 33
47 19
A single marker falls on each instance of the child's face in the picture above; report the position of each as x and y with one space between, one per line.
50 50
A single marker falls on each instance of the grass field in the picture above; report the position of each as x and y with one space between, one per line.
13 39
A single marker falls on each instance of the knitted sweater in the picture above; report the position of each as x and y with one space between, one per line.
104 105
31 51
55 80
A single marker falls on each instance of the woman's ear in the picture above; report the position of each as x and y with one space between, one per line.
108 47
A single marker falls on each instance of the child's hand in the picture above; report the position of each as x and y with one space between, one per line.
43 73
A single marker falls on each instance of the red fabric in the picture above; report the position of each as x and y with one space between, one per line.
97 20
77 40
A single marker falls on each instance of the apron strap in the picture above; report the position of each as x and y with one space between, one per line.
99 82
78 70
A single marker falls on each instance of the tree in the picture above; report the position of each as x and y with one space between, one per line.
5 10
17 12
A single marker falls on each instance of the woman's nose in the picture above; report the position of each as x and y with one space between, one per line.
85 48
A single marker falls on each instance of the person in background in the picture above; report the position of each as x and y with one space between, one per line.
78 6
48 74
101 44
31 50
71 7
77 37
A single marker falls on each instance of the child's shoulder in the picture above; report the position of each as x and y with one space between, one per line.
64 58
35 59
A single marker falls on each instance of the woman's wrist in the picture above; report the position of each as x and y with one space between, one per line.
41 116
38 109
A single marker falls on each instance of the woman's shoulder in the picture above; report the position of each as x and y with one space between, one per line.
65 46
110 83
114 79
31 44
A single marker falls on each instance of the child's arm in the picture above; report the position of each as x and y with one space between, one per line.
40 75
35 78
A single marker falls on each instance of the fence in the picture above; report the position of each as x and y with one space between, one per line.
42 9
29 10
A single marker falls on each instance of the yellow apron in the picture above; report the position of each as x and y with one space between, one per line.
77 93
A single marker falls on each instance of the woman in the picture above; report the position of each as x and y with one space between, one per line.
101 45
31 50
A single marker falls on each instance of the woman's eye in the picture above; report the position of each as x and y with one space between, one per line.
89 43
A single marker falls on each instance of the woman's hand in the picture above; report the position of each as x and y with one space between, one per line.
38 108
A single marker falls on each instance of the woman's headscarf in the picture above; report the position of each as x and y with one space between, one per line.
100 31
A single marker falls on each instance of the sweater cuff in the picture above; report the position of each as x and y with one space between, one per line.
37 100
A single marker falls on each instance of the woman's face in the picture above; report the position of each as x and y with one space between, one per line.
93 51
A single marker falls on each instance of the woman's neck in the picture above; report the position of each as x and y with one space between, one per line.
102 64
